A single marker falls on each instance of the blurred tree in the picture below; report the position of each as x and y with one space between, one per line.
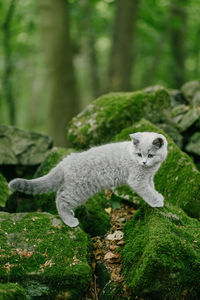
121 58
61 84
178 29
91 49
8 69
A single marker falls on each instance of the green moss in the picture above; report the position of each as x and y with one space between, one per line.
46 202
4 193
109 114
12 291
162 253
177 179
92 216
39 248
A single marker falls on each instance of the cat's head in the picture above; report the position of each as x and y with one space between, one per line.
149 148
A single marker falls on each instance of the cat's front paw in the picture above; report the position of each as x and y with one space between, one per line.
158 201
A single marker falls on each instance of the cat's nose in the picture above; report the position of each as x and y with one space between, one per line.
144 162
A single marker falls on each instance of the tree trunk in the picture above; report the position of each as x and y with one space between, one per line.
8 69
62 91
121 58
178 29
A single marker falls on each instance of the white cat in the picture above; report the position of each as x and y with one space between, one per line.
80 175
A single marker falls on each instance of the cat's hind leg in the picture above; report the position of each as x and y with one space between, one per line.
65 209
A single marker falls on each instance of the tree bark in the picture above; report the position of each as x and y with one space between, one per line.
8 69
178 29
62 91
121 59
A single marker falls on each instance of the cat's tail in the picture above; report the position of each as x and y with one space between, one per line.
48 183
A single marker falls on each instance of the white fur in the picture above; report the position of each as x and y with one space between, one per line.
84 174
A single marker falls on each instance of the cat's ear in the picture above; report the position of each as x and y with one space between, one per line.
134 138
158 143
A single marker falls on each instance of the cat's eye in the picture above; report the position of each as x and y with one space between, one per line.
139 154
150 155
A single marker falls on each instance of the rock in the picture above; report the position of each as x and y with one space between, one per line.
22 147
196 99
109 114
46 257
161 254
178 178
4 192
179 110
189 89
189 118
12 291
194 144
116 236
176 97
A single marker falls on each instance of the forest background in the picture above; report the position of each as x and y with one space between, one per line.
57 56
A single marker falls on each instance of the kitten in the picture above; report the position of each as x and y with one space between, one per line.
80 175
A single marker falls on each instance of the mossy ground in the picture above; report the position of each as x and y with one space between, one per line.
4 193
162 253
12 291
109 114
37 249
178 178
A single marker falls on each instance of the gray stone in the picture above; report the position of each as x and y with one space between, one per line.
196 99
179 110
176 97
189 89
194 144
22 147
189 118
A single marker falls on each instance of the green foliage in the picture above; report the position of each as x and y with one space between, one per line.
12 291
152 50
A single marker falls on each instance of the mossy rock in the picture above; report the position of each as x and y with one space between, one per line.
46 202
4 192
109 114
12 291
45 256
178 178
92 216
162 253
